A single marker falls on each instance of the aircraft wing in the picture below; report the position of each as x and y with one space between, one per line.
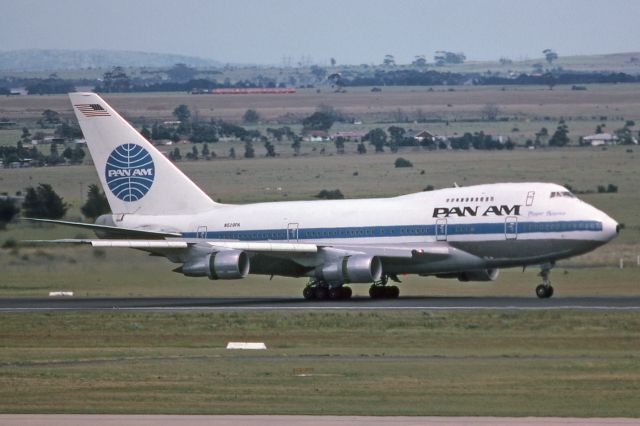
405 252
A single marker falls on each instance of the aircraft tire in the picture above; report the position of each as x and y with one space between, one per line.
336 293
346 292
543 291
321 293
391 292
309 293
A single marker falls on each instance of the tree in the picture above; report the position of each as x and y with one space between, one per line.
74 155
96 203
296 145
378 138
43 202
490 112
319 120
205 151
389 61
146 133
443 57
318 72
559 137
550 55
339 145
397 135
8 210
54 158
550 80
182 113
419 61
115 80
249 152
541 135
175 155
194 152
50 117
271 149
251 116
362 149
181 73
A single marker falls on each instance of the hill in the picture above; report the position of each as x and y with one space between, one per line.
54 59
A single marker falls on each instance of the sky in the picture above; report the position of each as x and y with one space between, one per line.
351 31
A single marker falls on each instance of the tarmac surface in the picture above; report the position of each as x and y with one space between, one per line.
273 303
198 420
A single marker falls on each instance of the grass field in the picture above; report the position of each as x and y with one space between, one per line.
394 363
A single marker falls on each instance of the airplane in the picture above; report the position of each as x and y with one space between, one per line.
466 233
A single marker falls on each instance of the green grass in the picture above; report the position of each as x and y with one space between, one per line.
390 363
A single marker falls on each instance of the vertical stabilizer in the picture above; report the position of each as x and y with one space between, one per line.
135 176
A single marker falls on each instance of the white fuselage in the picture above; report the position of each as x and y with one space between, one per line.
493 225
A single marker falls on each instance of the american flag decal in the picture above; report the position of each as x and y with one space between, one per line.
92 110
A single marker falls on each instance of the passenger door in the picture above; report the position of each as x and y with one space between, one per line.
292 232
511 228
441 230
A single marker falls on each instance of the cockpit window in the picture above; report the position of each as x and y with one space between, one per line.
566 194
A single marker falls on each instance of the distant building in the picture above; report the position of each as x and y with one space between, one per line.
424 135
316 136
601 139
349 136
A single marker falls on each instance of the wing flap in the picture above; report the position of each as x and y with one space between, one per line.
266 247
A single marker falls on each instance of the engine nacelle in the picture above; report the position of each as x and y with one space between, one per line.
227 265
359 268
479 275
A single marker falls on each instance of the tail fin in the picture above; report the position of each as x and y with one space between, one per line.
135 176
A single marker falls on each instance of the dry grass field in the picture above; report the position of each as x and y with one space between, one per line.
528 108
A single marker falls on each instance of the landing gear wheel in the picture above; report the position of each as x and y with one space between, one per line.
309 293
336 293
544 291
391 292
346 293
321 293
376 292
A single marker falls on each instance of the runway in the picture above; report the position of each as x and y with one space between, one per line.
26 304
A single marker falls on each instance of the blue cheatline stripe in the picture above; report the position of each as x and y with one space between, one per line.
399 231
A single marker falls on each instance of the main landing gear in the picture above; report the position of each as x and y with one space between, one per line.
380 289
320 290
545 290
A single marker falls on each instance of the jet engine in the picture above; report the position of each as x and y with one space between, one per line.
359 268
479 275
229 264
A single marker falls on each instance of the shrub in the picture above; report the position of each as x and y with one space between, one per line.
325 194
401 162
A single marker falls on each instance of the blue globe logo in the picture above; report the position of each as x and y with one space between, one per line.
129 172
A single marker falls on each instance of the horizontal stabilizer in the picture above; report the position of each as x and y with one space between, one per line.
112 231
137 244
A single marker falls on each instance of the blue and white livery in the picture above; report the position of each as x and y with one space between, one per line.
465 233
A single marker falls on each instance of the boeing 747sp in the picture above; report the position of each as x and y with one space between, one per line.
465 233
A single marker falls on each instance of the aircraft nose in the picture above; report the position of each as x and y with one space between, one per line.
610 228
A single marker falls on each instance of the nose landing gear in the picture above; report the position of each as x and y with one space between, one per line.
545 290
